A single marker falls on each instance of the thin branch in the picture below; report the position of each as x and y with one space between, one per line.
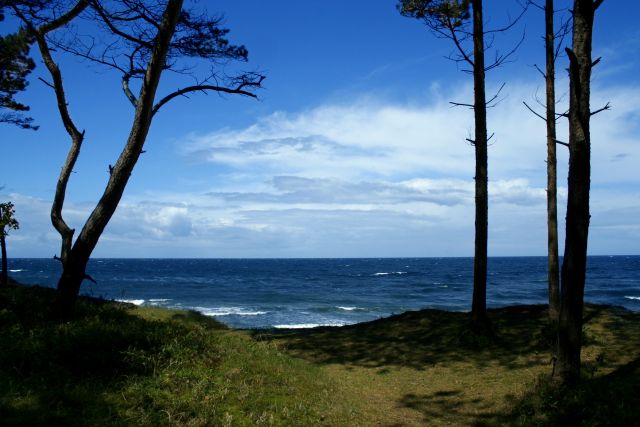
533 111
115 30
204 88
600 110
488 103
544 75
47 83
460 104
561 143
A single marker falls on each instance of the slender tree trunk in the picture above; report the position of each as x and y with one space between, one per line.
4 280
479 303
552 193
575 253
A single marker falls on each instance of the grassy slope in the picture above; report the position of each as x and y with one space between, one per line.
116 364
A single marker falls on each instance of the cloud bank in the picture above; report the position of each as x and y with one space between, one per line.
370 178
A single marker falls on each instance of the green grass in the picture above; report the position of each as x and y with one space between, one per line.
117 364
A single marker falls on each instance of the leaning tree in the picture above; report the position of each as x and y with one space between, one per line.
141 40
449 19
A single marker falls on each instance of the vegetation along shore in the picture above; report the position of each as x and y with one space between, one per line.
118 364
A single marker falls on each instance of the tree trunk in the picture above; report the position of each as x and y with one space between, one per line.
75 263
4 279
73 274
575 253
479 303
552 193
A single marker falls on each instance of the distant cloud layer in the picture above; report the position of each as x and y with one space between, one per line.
370 178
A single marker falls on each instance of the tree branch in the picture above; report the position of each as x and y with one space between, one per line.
533 111
600 110
204 88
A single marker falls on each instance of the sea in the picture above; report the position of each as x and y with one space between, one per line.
304 293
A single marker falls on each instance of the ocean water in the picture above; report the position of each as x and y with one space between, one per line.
280 293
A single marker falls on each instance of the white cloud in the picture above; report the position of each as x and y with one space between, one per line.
369 178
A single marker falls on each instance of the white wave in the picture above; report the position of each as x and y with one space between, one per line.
387 274
347 308
228 311
631 297
132 301
159 299
18 270
307 325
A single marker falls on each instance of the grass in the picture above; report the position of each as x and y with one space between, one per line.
117 364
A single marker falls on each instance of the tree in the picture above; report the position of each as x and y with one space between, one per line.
140 39
7 222
574 264
551 54
449 19
15 66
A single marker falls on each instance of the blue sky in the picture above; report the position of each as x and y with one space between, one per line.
352 149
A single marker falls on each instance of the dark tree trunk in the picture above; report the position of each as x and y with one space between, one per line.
575 253
552 193
75 259
479 303
4 279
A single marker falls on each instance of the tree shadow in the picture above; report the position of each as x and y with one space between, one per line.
608 400
450 407
421 339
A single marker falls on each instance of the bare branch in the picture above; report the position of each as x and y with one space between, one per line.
533 111
544 75
600 110
561 143
107 20
47 83
240 90
460 104
488 103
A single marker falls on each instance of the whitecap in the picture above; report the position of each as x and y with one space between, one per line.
159 299
18 270
631 297
347 308
307 325
228 311
132 301
387 274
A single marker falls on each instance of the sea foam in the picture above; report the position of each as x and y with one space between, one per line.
132 301
228 311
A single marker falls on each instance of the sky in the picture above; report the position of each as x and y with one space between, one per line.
352 149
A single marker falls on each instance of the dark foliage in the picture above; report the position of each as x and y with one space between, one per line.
15 66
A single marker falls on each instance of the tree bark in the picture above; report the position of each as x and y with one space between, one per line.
577 227
552 192
4 279
479 304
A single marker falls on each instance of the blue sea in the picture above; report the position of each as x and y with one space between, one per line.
297 293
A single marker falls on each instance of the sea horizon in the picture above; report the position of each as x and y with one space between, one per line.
308 292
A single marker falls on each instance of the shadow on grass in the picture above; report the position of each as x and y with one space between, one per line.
424 338
441 405
608 400
54 373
